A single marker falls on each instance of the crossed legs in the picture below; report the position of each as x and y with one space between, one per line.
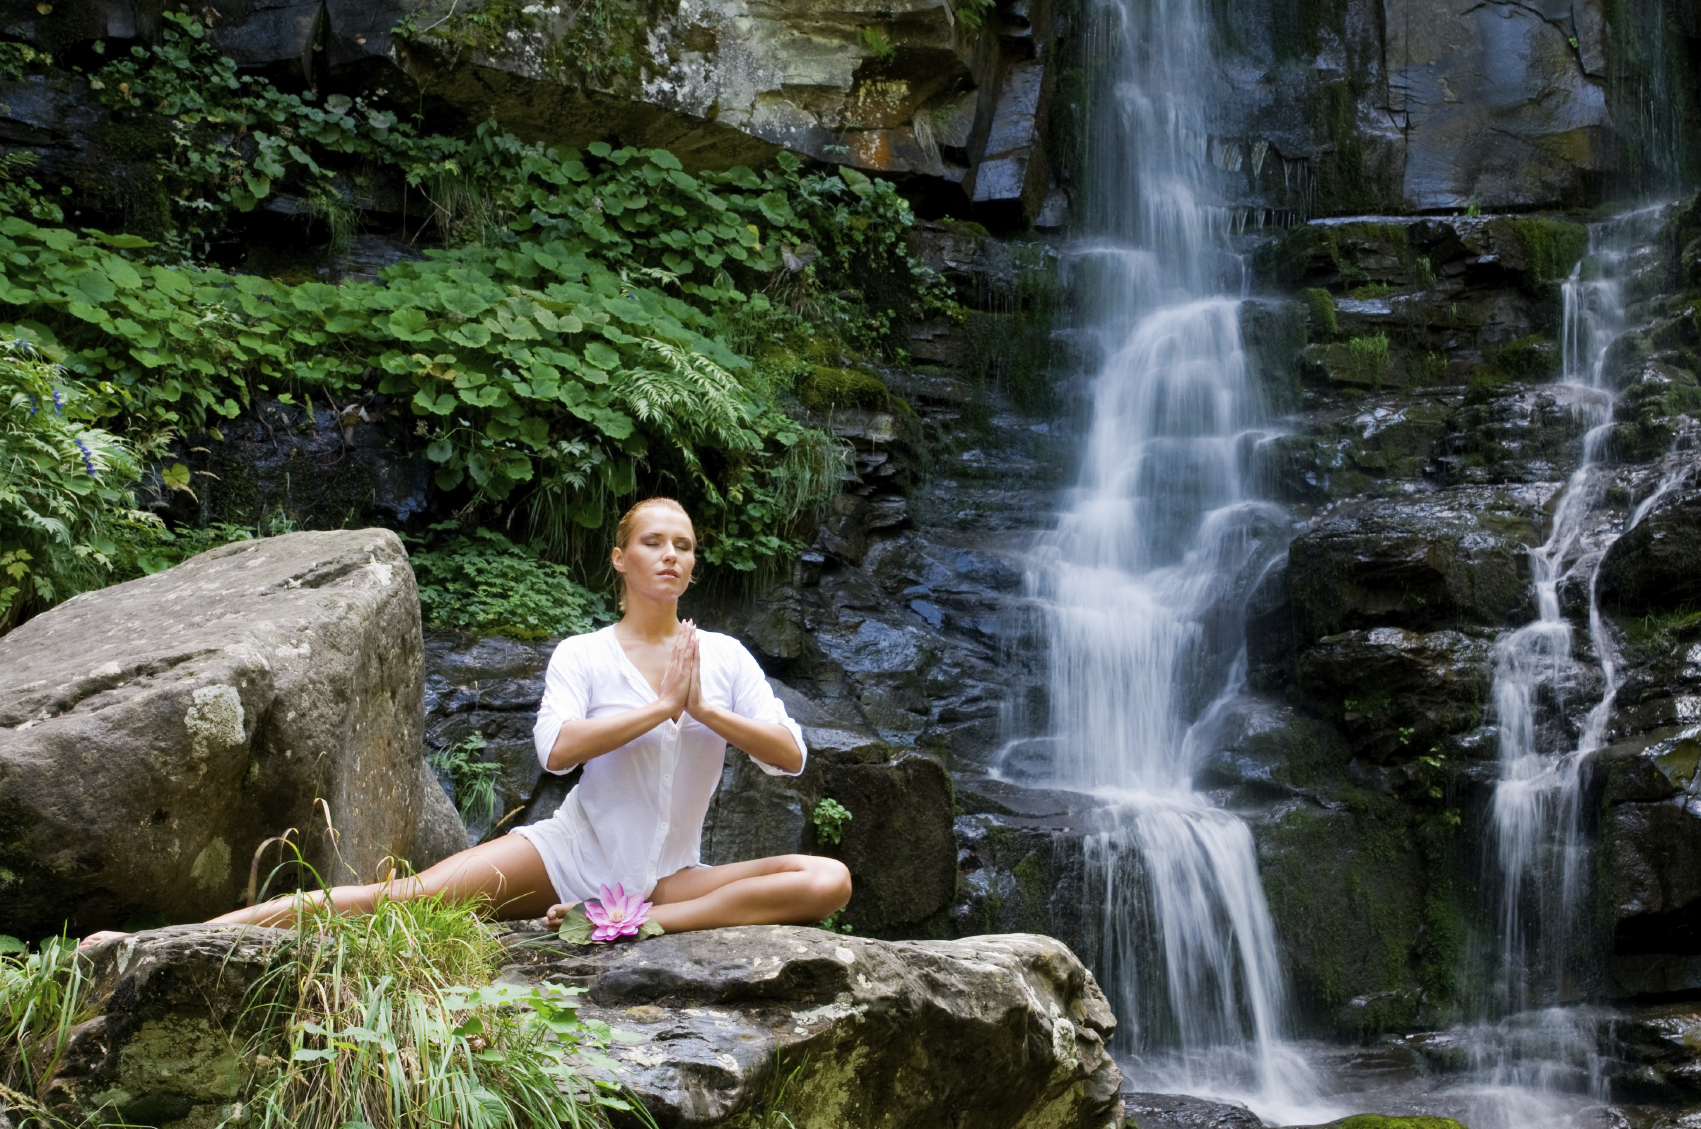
508 875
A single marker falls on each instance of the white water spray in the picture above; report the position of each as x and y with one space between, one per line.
1144 581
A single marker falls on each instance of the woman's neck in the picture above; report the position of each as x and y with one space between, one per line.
649 619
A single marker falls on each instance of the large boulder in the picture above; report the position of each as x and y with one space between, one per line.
1656 566
999 1032
154 734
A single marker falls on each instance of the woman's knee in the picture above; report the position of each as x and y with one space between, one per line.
830 880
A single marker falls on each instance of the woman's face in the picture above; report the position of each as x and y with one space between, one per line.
658 560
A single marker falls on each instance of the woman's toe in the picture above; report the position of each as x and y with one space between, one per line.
100 938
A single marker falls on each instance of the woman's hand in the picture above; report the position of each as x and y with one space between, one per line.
682 675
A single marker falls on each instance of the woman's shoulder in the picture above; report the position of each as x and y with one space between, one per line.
724 648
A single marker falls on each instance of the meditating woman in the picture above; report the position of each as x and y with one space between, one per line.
648 707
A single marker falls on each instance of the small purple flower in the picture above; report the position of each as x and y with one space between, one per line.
88 458
35 403
618 915
59 403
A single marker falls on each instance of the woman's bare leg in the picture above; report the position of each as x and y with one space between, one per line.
784 890
506 873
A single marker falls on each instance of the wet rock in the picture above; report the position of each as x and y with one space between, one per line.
1398 693
153 734
1656 877
1178 1111
1656 565
1433 561
319 465
1267 752
1355 915
1514 434
1657 1057
1380 445
1533 130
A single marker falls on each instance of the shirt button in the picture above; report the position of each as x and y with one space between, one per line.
667 778
664 825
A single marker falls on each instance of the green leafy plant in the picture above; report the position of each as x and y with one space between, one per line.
484 582
474 779
42 997
876 43
835 923
1369 359
829 817
64 486
972 13
390 1019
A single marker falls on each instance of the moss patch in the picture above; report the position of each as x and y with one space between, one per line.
826 389
1551 247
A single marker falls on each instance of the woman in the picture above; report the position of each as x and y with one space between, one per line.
647 706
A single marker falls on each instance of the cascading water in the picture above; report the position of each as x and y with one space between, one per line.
1143 581
1536 1055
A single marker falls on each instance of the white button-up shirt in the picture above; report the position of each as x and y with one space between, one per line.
636 815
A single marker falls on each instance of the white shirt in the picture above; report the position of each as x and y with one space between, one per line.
636 815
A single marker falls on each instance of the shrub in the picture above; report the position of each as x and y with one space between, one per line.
1530 359
64 487
485 582
1369 359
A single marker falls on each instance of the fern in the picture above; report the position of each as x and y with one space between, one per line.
693 398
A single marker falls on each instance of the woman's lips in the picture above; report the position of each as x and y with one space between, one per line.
671 574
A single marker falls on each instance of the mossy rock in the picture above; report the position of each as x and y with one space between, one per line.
825 389
1532 360
1551 247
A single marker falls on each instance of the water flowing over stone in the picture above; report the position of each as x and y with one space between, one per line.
1144 581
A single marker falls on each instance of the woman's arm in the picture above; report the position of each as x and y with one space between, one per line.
588 738
767 741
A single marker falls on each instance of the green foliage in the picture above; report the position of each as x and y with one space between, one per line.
1551 247
474 779
1663 633
1531 359
64 486
42 997
1321 307
825 389
876 43
486 583
603 42
1368 359
972 13
835 923
829 818
390 1019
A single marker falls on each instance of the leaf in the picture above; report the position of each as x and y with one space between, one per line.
259 184
439 450
306 1055
175 476
339 103
650 929
602 355
10 944
410 324
859 183
576 928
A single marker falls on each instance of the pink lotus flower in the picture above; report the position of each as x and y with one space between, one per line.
618 915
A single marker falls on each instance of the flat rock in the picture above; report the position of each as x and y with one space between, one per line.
998 1032
155 733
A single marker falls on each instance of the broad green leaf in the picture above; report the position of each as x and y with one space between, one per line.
439 450
410 324
601 355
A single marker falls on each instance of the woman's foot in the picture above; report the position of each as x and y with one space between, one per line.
100 938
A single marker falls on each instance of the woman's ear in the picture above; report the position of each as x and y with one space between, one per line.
617 559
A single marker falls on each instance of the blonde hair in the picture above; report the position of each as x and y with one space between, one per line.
628 523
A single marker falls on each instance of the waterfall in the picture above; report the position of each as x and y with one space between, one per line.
1143 582
1551 706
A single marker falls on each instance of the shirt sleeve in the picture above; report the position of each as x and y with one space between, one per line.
753 698
566 697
